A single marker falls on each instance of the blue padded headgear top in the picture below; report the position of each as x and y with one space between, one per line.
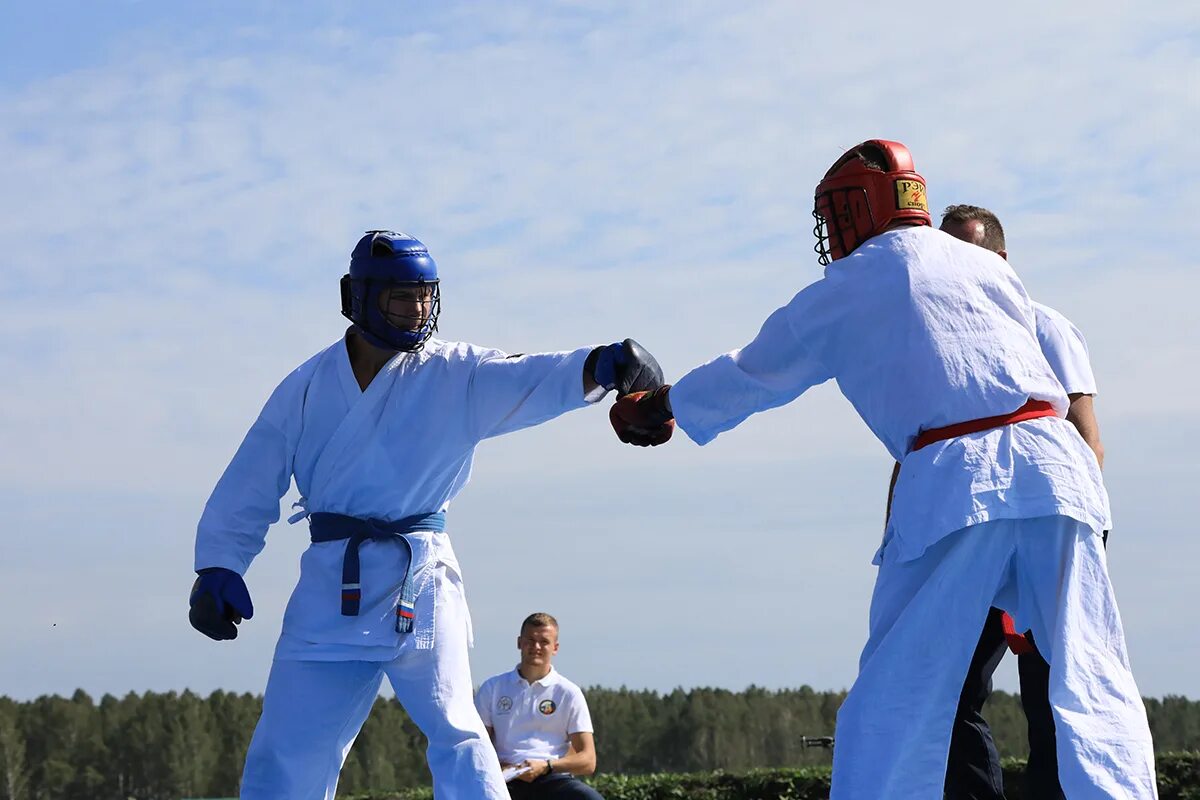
380 262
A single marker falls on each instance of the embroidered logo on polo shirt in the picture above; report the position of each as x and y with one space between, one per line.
547 707
504 704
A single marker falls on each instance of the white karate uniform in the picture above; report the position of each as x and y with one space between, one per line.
402 447
922 331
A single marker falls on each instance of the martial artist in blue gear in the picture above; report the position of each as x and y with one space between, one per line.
379 432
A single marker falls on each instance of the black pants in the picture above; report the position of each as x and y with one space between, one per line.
559 787
973 768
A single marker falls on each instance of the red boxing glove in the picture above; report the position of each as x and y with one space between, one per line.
643 418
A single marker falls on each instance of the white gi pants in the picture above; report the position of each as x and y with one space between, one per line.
313 710
1050 573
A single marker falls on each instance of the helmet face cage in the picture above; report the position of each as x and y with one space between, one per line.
362 303
409 339
844 220
821 231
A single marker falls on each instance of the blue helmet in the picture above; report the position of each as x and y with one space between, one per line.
381 262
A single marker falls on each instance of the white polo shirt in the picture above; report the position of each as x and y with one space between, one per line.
532 720
1064 347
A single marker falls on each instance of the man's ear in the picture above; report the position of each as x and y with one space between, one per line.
1003 254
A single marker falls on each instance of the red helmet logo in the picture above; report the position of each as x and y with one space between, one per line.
869 189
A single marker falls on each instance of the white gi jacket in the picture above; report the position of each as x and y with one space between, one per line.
402 447
921 331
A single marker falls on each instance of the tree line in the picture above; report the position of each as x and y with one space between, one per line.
165 746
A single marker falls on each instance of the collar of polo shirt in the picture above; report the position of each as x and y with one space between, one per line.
549 679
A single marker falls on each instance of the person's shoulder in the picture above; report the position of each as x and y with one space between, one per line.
905 240
288 396
1054 325
491 681
938 259
896 249
879 266
303 373
568 685
461 352
495 680
923 242
1050 316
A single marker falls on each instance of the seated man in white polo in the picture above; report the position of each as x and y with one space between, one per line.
539 721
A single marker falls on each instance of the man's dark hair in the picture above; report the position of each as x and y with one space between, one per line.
539 620
993 231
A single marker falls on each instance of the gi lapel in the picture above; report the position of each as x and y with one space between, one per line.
359 422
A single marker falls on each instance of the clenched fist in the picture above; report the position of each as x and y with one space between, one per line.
627 367
643 418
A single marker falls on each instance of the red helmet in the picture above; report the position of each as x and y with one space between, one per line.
866 191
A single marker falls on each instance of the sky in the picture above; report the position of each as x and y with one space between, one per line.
182 185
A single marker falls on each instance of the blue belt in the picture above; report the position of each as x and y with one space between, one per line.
326 527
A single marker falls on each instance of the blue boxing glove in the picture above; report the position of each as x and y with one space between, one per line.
219 601
625 366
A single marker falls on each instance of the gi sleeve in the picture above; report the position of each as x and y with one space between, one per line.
579 719
507 393
245 502
1066 350
777 367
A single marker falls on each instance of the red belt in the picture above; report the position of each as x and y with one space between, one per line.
1031 410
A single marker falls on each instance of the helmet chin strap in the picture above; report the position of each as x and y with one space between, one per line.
373 340
397 340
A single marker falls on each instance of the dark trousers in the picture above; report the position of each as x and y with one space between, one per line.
559 787
973 768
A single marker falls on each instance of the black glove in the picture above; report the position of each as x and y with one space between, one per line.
625 366
219 601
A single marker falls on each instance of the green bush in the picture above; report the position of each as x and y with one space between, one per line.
1179 775
1178 779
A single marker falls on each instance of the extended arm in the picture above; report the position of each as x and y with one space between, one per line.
779 365
507 393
